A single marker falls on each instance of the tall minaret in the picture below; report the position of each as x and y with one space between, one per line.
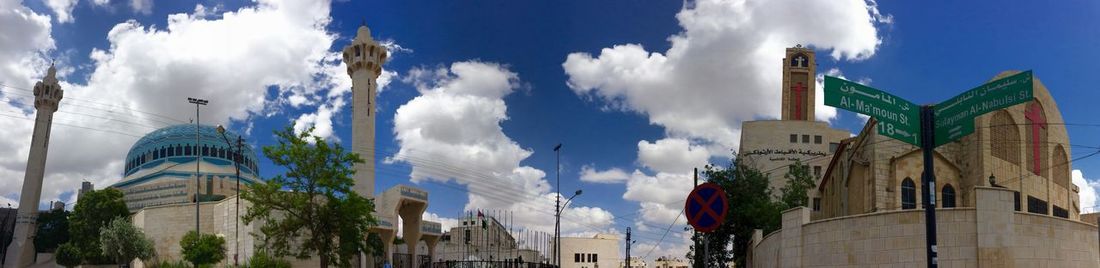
798 84
47 93
364 59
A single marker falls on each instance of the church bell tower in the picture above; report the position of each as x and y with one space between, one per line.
364 59
799 67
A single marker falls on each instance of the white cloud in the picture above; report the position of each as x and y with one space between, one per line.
63 9
142 6
614 175
1088 192
452 132
671 155
234 61
722 69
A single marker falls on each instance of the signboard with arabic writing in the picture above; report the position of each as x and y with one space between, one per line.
897 118
955 117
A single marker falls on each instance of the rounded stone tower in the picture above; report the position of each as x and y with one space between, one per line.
364 58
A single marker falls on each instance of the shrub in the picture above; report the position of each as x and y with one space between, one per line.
203 249
264 260
68 255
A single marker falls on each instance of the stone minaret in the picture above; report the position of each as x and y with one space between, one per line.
364 58
47 93
799 84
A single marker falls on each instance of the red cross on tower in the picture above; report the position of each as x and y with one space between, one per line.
1034 115
798 89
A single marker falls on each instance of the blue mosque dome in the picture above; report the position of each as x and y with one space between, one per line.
176 144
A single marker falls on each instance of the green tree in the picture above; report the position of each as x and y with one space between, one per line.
68 255
311 208
122 242
751 207
53 230
94 210
798 182
203 249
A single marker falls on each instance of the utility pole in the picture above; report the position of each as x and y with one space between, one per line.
928 181
695 234
198 181
557 207
627 247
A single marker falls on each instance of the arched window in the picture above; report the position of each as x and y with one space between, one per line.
179 150
948 196
800 60
1005 139
1059 167
908 194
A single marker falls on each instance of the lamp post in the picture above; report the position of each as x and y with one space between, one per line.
198 161
557 234
237 201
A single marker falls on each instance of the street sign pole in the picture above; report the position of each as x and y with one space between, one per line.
928 182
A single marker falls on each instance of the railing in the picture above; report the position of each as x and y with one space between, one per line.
488 264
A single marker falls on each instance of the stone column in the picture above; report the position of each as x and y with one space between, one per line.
791 244
47 94
995 225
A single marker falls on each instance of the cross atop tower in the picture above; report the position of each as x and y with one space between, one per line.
798 84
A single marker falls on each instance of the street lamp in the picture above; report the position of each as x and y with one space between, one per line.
198 183
237 201
557 206
557 229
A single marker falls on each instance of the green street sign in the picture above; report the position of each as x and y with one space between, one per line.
955 117
897 118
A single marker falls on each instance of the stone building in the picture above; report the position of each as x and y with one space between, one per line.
772 145
487 239
600 250
1003 196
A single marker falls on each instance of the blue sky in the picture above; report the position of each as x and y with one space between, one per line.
601 77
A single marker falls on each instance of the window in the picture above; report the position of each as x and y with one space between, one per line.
205 151
794 138
1035 205
221 152
466 237
172 151
948 196
833 146
1061 212
179 150
805 138
1016 200
817 139
576 257
357 52
817 204
187 151
817 171
908 194
595 257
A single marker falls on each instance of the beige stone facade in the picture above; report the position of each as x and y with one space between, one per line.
772 145
872 173
989 234
601 250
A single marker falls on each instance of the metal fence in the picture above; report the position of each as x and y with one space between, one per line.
488 264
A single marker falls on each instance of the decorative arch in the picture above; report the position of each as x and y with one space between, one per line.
796 62
1059 167
1037 140
1005 137
948 196
908 194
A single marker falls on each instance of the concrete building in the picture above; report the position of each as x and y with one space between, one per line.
635 262
670 262
1004 198
47 95
487 239
85 187
600 250
160 167
772 145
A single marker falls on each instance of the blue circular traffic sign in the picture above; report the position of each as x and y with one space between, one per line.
706 207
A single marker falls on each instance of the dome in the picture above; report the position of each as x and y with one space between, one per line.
177 142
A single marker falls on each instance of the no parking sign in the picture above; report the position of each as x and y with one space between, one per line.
706 207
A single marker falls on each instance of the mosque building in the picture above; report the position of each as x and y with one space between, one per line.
1003 198
160 167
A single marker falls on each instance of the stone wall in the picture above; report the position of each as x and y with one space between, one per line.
991 234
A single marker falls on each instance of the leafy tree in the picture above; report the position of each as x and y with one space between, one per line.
68 255
122 242
94 210
53 230
798 182
751 207
311 208
203 249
